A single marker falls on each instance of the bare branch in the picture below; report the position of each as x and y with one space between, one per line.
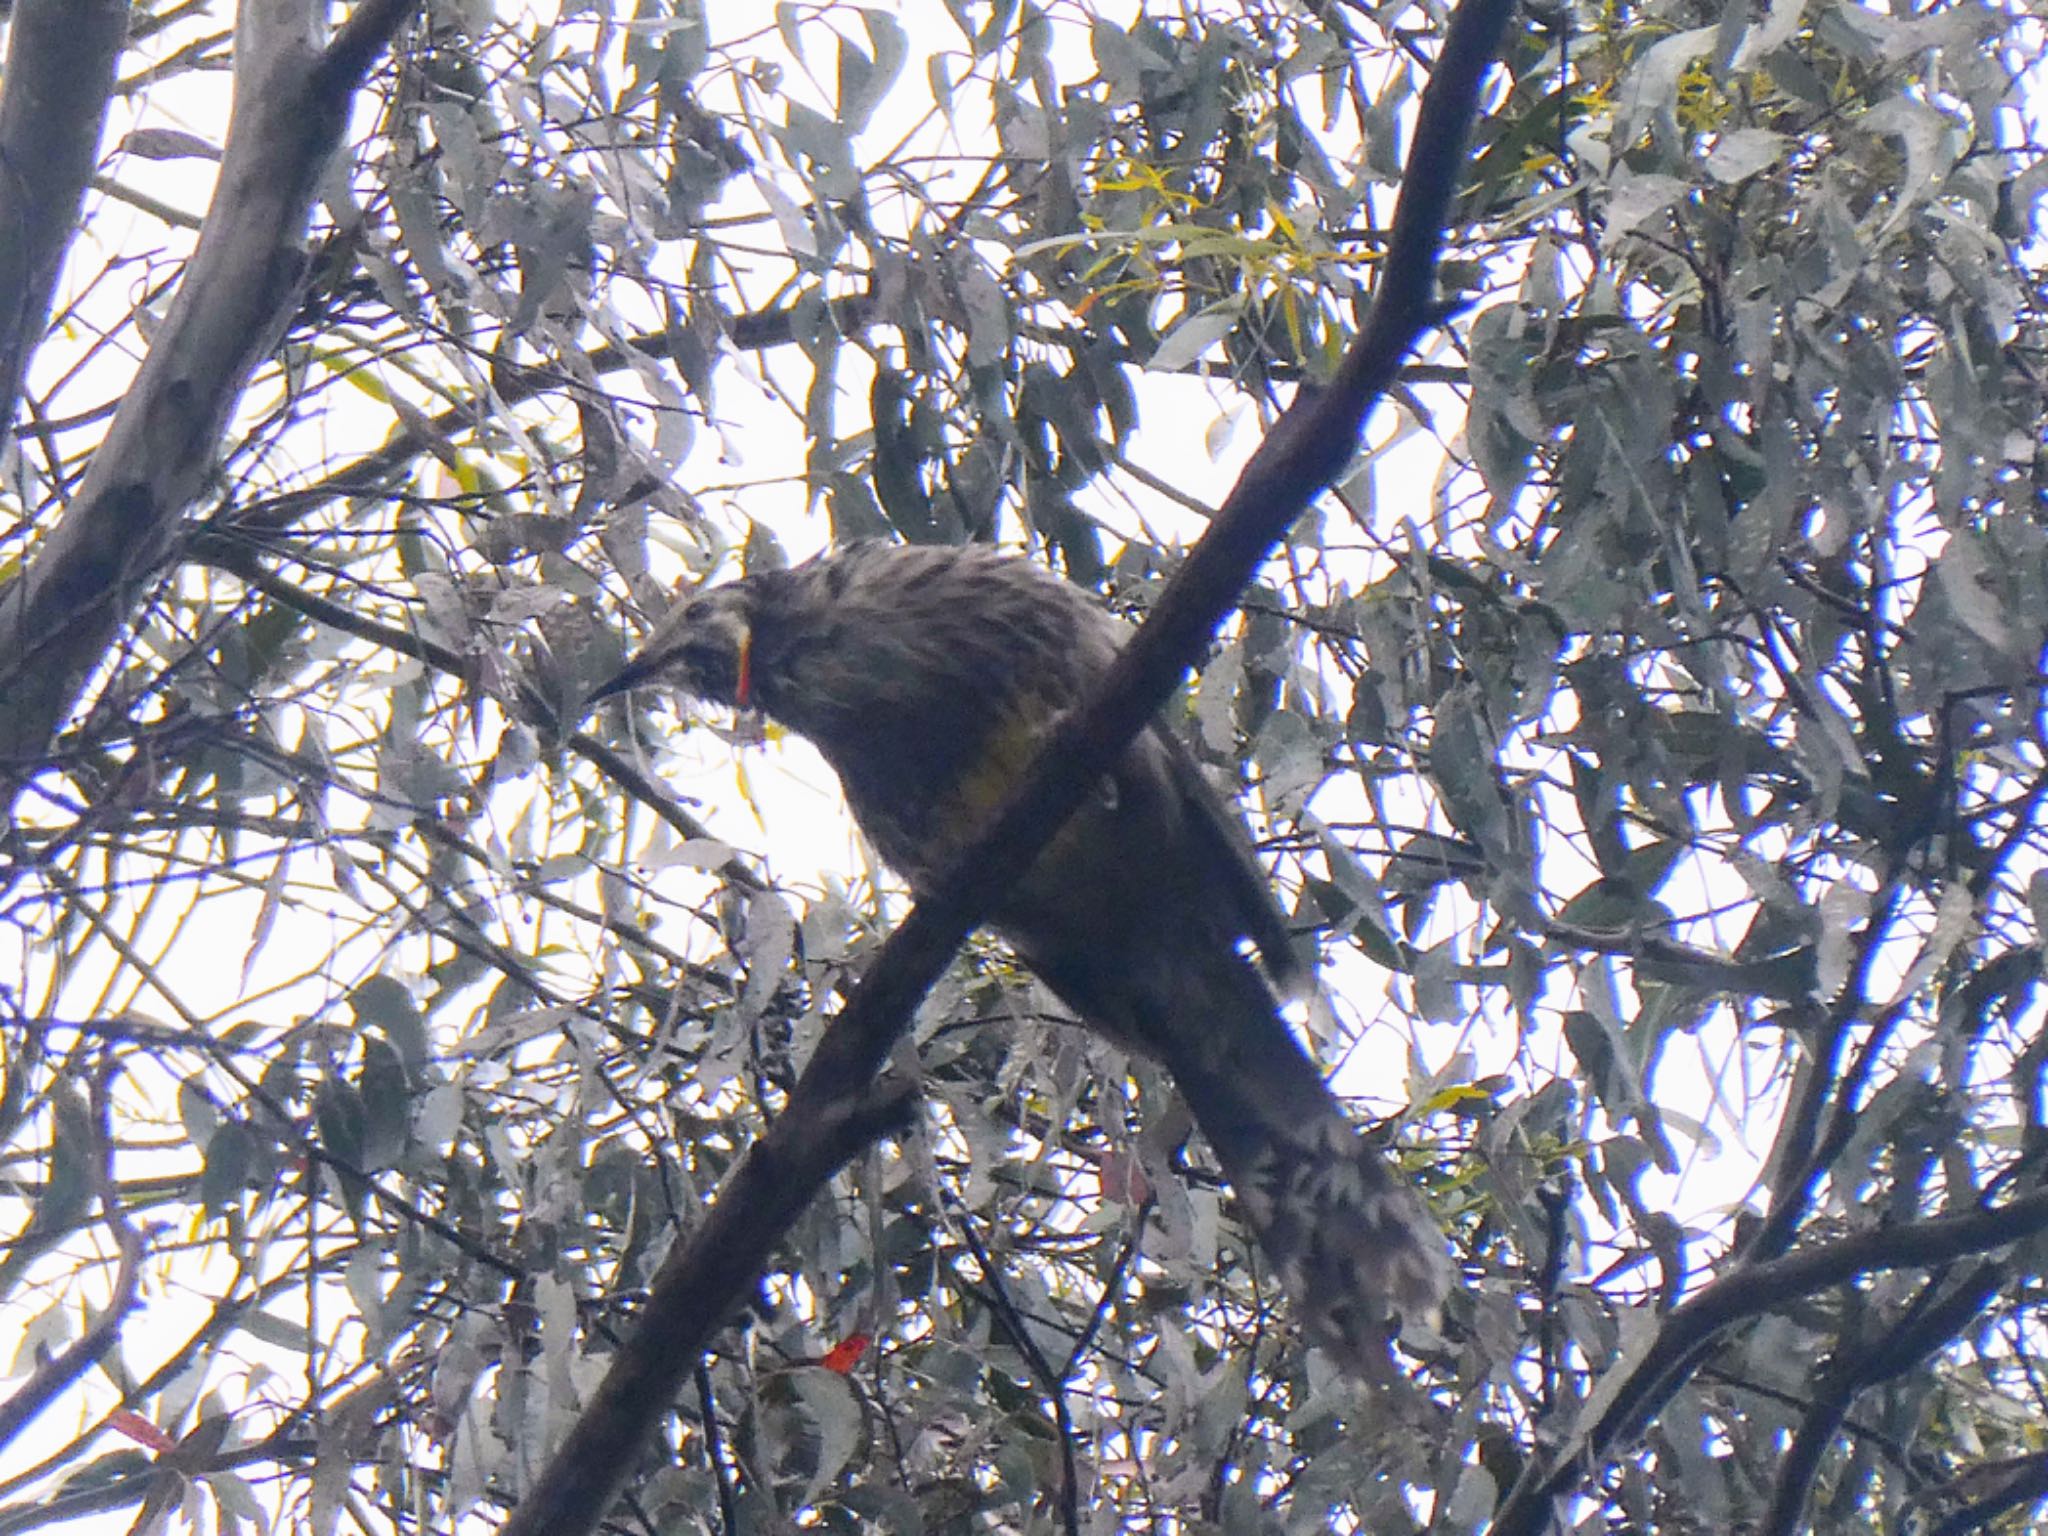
238 290
2015 1481
1648 1382
1939 1313
53 107
358 43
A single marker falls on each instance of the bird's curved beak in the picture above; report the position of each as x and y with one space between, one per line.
637 671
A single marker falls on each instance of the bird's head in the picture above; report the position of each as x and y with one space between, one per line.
702 647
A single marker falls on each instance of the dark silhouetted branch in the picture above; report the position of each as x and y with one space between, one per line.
706 1274
1627 1402
1938 1314
2013 1482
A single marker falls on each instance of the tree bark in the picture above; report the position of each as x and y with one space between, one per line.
53 108
234 298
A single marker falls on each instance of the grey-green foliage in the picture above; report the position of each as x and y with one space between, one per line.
1668 770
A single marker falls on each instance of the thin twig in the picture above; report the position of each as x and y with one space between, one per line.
714 1452
1052 1383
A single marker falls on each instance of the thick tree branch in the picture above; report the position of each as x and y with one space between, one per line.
357 44
53 107
2010 1483
290 109
1860 1362
705 1275
1635 1389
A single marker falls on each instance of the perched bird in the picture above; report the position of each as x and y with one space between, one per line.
927 677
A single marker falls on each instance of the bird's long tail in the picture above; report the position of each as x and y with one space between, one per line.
1349 1235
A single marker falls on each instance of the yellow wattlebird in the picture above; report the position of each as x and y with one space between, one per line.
927 677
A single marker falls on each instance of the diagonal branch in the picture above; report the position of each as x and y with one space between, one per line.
1632 1392
1941 1311
53 109
1997 1487
705 1276
236 293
